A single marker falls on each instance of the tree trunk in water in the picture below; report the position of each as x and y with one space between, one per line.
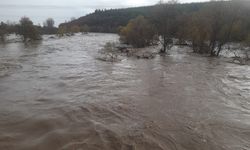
212 53
193 46
164 45
219 50
2 38
212 47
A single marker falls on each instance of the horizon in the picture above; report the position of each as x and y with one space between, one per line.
38 12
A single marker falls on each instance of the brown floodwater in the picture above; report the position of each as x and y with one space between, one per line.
55 95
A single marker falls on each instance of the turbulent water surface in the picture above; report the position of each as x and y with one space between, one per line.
55 95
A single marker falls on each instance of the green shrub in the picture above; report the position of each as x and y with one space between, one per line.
138 33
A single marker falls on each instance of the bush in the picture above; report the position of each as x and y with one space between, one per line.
61 31
138 33
84 29
109 52
75 29
27 30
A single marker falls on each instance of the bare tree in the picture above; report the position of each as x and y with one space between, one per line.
49 23
164 18
72 18
220 23
213 26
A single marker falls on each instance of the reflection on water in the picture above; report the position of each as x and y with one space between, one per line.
56 95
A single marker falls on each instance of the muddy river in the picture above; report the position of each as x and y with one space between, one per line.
55 95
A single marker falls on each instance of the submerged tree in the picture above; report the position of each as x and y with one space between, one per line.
246 44
27 30
197 33
216 24
109 52
49 27
222 23
74 29
138 33
2 35
62 30
85 29
247 41
165 15
2 32
49 23
219 26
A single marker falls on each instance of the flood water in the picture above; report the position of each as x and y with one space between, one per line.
55 95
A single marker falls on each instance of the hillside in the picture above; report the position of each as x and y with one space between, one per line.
110 20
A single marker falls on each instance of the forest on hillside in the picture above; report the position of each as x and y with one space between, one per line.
110 20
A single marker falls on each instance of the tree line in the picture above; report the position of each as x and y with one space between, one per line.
27 29
31 32
109 20
208 29
207 26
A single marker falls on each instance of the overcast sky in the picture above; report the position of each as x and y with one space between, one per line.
61 10
97 3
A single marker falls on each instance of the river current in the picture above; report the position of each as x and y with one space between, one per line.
55 95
